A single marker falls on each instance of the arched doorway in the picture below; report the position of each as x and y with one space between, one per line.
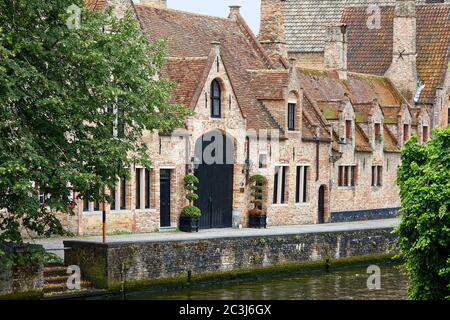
214 154
321 205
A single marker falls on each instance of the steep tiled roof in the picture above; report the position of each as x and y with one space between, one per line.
390 142
190 35
362 141
96 5
329 109
391 114
370 50
306 20
415 113
362 112
313 119
187 74
325 85
268 84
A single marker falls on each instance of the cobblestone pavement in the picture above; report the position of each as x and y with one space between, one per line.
55 245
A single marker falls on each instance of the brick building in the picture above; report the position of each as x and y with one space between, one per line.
408 41
326 139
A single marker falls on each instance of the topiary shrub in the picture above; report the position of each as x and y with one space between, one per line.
257 186
191 211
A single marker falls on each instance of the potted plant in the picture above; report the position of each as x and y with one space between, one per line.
257 215
190 215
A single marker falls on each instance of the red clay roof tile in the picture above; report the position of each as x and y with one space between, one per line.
370 50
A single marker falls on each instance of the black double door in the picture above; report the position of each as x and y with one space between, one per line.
165 198
215 188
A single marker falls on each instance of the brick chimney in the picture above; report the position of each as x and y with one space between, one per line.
335 55
154 3
271 34
403 69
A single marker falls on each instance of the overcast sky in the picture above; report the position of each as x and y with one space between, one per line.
250 8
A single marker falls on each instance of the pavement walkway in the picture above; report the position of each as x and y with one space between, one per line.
55 245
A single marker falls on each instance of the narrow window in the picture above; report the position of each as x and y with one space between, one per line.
138 188
346 173
353 176
425 134
379 176
405 132
113 199
275 185
216 99
341 176
377 129
96 205
85 205
279 190
374 176
305 184
263 161
147 189
348 129
291 116
301 184
123 194
283 186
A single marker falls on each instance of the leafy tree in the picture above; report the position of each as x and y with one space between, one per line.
74 105
424 231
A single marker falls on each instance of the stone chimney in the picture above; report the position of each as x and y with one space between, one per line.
235 12
271 34
403 69
154 3
335 55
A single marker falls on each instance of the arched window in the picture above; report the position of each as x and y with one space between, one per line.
216 99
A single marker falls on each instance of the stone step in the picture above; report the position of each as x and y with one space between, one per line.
55 288
57 270
56 279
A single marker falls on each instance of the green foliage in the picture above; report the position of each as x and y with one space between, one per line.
23 255
189 184
58 87
191 211
424 231
258 184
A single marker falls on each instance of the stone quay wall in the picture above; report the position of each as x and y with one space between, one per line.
107 265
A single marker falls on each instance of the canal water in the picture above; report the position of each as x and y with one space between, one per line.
347 283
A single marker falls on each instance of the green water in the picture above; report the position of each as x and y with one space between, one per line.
348 283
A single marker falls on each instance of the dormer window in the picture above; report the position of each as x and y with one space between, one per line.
291 116
216 100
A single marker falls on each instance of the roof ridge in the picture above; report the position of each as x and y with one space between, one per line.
179 11
254 41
